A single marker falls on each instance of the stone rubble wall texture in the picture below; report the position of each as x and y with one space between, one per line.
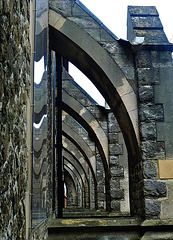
14 90
40 233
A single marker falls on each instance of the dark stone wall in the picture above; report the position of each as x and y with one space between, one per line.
116 171
14 89
149 114
150 62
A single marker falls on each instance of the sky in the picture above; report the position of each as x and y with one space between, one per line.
113 14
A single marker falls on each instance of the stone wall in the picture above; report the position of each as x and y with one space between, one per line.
14 89
40 233
152 150
153 70
116 171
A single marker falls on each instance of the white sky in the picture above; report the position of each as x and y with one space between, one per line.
113 14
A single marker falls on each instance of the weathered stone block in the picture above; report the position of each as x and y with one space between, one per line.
113 137
117 194
146 22
114 184
115 205
112 47
104 125
117 172
153 150
145 76
100 188
150 170
151 112
113 127
146 93
148 131
106 37
99 174
100 185
152 209
101 196
161 59
152 37
100 167
114 161
115 149
84 22
154 188
129 73
63 6
123 60
100 204
95 33
77 11
142 10
96 112
143 59
111 117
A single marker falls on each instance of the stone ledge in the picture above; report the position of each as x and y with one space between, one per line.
152 223
92 222
157 235
107 222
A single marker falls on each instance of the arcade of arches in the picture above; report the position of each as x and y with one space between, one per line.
72 169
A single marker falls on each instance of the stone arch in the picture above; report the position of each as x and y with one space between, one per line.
86 169
85 159
85 150
70 158
101 68
72 183
78 141
87 54
101 115
85 120
79 178
78 168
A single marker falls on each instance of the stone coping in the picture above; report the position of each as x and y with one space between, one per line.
148 223
79 3
106 222
92 222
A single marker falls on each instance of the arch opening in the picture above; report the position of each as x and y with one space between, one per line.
69 50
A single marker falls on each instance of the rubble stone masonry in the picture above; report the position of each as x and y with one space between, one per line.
14 89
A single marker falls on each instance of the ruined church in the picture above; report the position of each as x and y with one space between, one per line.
71 168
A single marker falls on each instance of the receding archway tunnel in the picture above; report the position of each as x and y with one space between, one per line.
68 49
